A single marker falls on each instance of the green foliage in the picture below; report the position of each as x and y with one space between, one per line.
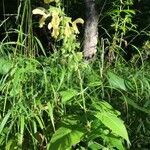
5 65
67 95
44 99
116 82
62 102
65 138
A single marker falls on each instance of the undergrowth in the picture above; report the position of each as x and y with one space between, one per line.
60 101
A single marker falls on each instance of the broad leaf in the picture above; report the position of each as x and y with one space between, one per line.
95 146
116 81
113 123
5 65
104 106
64 138
68 94
117 143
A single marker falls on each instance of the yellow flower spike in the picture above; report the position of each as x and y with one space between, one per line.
55 20
68 30
55 33
40 11
74 25
54 25
42 22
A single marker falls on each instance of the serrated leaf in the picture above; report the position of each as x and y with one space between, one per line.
68 94
113 123
64 138
104 106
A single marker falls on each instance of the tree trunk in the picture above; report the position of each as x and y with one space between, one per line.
91 30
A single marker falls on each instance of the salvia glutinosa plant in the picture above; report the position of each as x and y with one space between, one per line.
52 98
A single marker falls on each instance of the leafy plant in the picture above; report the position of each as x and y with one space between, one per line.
59 101
61 26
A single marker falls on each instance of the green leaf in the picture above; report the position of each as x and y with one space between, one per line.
5 65
104 106
9 145
113 123
4 121
94 84
39 120
22 124
116 81
95 146
68 94
117 143
65 137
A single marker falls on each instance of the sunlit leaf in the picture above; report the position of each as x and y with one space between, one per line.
10 145
95 146
68 94
104 106
116 142
5 65
113 123
65 138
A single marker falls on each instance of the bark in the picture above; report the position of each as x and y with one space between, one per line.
91 30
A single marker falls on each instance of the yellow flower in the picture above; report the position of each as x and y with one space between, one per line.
74 24
48 1
54 25
41 11
67 31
